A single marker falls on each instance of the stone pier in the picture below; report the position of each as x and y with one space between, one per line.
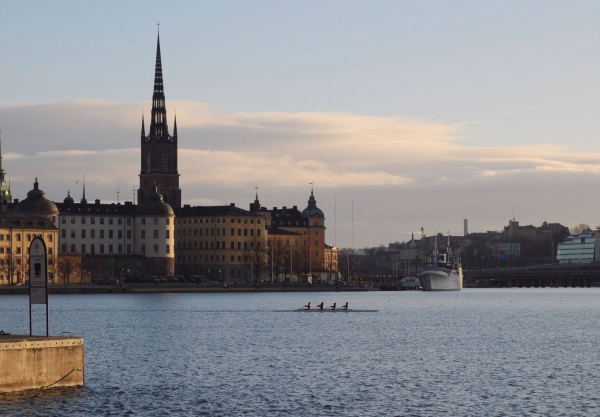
34 362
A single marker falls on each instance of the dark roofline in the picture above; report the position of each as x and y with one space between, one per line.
208 211
87 208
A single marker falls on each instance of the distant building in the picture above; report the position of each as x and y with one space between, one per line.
504 250
581 248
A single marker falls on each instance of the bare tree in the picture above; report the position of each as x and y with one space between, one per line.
68 264
348 264
580 228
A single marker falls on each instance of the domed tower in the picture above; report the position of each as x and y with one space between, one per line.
36 204
154 235
68 199
315 232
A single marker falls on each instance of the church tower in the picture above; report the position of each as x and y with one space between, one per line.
159 148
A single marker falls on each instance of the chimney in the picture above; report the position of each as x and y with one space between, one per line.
97 201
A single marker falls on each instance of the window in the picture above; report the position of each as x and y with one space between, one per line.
239 232
93 233
82 248
72 248
110 234
120 249
63 220
49 238
110 248
143 220
167 221
251 232
72 234
63 248
119 221
63 233
18 251
92 220
119 234
245 245
72 220
317 253
129 221
83 233
155 220
316 243
83 220
49 251
258 232
101 233
143 249
110 220
93 249
245 232
129 234
148 161
239 245
155 249
128 249
232 246
143 234
232 258
169 234
101 220
165 162
155 234
102 248
168 250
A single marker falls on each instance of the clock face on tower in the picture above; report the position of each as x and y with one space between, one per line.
166 182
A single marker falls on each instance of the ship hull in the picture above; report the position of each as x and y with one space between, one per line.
441 280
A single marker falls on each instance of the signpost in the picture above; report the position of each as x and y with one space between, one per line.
38 278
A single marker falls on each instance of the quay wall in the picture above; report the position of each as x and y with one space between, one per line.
34 362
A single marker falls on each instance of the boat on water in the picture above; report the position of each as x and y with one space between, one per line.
443 275
303 310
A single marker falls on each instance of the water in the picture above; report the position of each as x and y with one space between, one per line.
502 352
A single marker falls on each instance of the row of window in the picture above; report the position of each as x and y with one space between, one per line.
83 234
110 249
83 220
8 250
28 236
195 221
215 258
220 232
222 245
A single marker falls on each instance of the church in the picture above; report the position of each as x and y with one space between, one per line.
161 237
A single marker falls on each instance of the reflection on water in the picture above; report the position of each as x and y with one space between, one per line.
509 352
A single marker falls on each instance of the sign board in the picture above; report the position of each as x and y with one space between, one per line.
38 277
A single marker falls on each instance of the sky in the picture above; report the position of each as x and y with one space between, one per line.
403 114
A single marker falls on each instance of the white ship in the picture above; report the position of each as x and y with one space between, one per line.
444 275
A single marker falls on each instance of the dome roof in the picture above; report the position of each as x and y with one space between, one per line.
154 205
68 199
312 211
36 204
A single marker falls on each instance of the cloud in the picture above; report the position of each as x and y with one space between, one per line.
424 171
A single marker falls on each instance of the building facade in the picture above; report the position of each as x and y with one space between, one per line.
582 248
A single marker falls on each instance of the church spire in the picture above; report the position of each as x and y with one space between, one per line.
158 124
175 125
143 127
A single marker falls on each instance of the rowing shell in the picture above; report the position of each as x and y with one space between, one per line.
325 311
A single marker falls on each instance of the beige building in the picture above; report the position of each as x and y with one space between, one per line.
217 242
32 217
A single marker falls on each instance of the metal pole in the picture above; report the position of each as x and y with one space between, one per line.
271 263
291 263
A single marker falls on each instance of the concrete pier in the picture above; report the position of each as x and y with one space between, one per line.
34 362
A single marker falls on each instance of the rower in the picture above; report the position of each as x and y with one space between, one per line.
321 306
345 306
307 307
334 306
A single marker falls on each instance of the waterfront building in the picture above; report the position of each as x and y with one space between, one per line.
158 150
30 218
581 248
505 250
217 242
